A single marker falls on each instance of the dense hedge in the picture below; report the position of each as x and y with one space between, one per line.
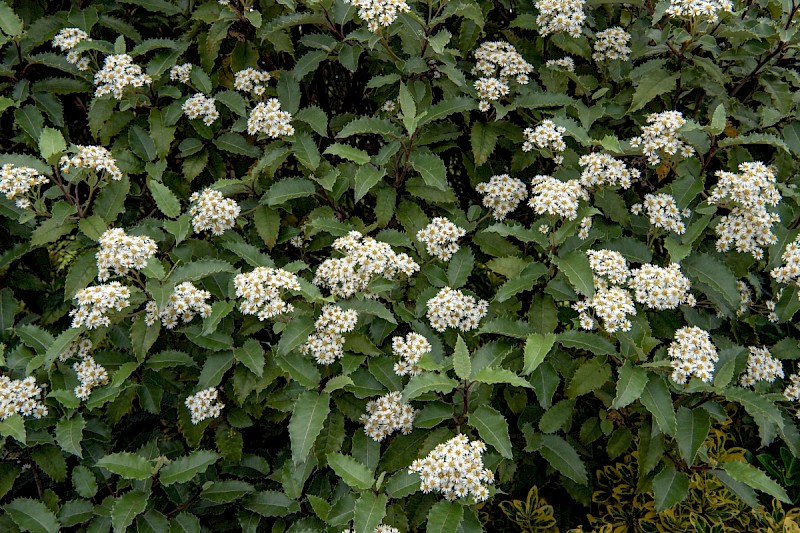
444 265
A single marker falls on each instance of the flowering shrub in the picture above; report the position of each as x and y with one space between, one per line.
385 265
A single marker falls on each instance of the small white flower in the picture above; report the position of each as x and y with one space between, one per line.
441 238
204 405
18 182
326 344
560 16
118 73
213 212
662 136
94 304
90 375
95 158
378 13
455 469
692 354
451 308
269 119
21 397
612 44
555 197
661 288
410 350
761 366
261 290
386 415
502 194
201 106
181 73
120 252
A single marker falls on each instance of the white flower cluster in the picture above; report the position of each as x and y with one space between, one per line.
612 44
608 266
708 9
661 135
326 344
386 415
749 225
410 350
204 405
213 212
379 12
95 158
556 197
560 15
66 40
745 298
364 260
792 392
567 63
380 529
455 468
612 305
502 194
789 271
119 72
268 118
21 396
761 366
261 290
251 80
201 106
661 288
90 375
440 238
693 354
602 170
663 212
771 304
185 302
546 136
181 73
585 228
122 253
77 348
18 181
451 308
496 62
95 302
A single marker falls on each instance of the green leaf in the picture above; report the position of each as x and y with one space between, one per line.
670 487
692 430
755 478
460 267
111 200
141 143
555 417
69 434
369 512
351 153
355 474
308 417
51 143
60 344
314 117
708 269
185 468
143 337
226 491
491 375
165 199
236 144
31 515
215 367
367 176
718 120
447 107
369 125
270 503
10 23
288 189
462 364
657 399
127 465
523 282
583 340
445 517
233 101
428 382
766 414
561 456
650 86
306 151
754 138
295 334
590 376
537 346
431 168
126 508
630 384
197 270
576 267
493 428
251 355
483 138
14 426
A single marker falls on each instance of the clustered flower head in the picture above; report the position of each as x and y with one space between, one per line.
365 259
661 136
560 15
90 375
748 226
66 40
185 302
693 354
204 405
496 63
211 211
585 228
120 252
555 197
611 304
661 288
94 303
77 348
546 136
119 72
251 80
612 44
200 105
261 290
792 392
95 158
21 396
440 238
269 119
745 297
379 12
772 316
386 415
451 308
455 468
18 181
761 366
602 170
608 266
326 344
789 271
663 212
410 350
708 9
567 63
181 73
502 194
